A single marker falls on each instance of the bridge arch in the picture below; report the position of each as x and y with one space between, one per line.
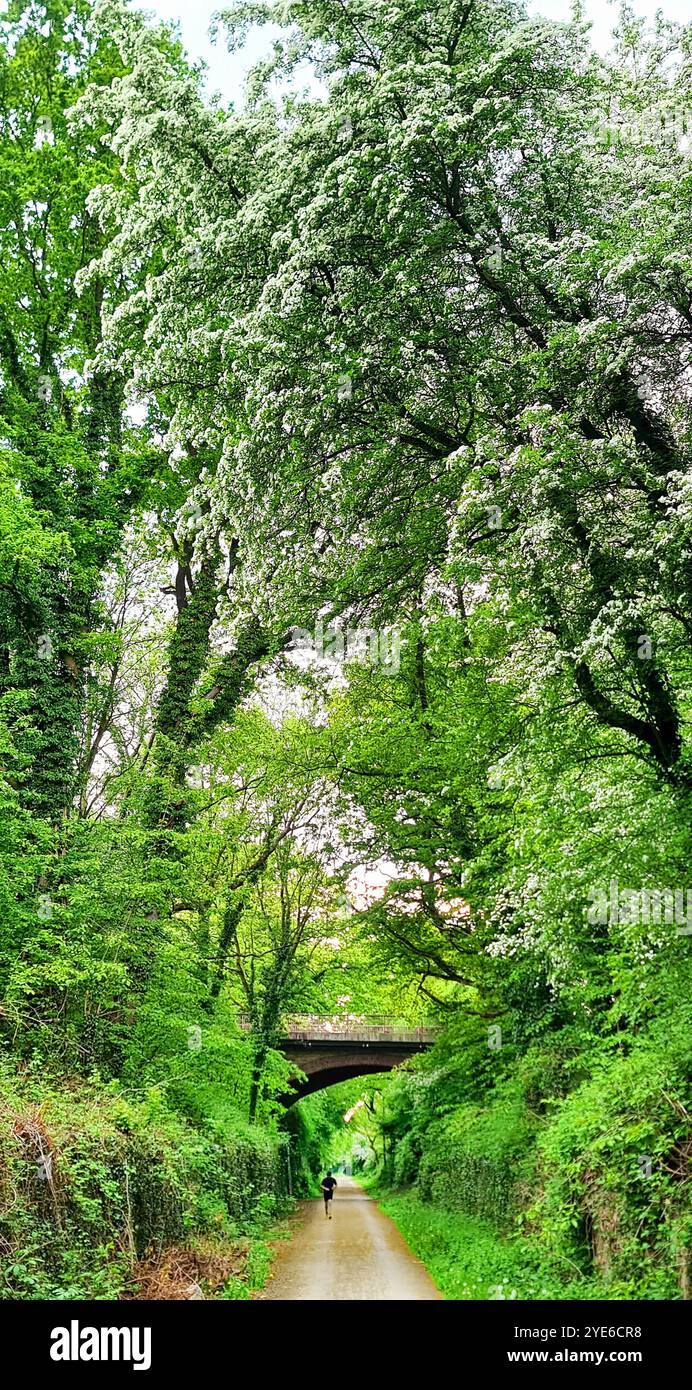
329 1051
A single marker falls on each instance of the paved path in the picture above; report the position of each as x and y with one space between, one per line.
359 1254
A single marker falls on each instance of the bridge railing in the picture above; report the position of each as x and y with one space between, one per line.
359 1027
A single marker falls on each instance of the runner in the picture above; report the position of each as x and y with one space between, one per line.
328 1184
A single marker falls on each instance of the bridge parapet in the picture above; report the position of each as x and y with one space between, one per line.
377 1028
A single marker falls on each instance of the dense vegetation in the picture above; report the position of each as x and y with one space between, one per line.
345 617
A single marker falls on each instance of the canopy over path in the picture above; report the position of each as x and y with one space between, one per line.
329 1050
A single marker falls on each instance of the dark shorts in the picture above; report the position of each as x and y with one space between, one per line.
327 1196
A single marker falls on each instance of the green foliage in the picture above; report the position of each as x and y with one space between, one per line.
585 1156
409 354
468 1260
473 1160
121 1180
614 1164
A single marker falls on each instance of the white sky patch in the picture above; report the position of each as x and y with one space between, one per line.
603 14
366 885
227 71
136 412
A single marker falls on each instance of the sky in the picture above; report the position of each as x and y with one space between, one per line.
227 70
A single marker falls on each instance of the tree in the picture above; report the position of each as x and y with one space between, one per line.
459 329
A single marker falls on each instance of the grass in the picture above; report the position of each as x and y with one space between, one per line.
468 1259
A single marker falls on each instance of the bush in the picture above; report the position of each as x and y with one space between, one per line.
91 1182
616 1163
475 1159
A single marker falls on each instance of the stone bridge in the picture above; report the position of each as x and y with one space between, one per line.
329 1050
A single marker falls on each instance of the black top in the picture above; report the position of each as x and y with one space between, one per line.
329 1183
